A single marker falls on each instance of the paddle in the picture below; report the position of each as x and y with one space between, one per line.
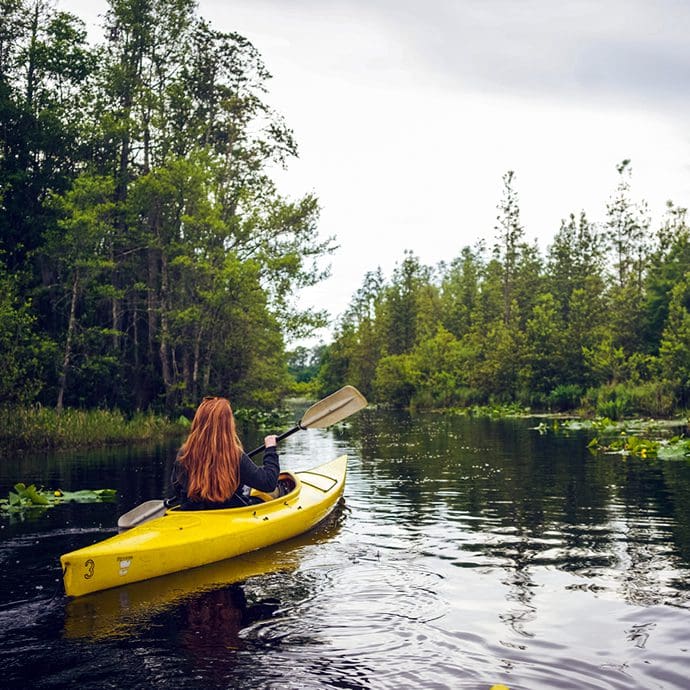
331 410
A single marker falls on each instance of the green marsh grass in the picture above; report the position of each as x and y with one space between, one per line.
39 427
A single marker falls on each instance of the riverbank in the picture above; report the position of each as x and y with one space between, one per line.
42 428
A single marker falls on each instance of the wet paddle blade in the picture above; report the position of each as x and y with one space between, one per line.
142 513
333 408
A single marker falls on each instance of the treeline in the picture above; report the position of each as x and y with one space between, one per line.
601 321
146 256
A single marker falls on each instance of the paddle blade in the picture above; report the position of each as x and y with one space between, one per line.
142 513
333 408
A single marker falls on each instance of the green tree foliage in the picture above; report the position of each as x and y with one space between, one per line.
544 359
438 370
460 291
395 380
76 248
667 266
674 352
148 258
600 319
408 304
575 278
517 263
23 353
304 362
361 342
44 61
139 212
494 364
575 261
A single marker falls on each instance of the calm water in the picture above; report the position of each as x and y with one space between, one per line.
466 553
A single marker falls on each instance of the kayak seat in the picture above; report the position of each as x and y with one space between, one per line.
285 485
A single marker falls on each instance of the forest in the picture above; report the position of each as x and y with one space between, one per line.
601 323
147 257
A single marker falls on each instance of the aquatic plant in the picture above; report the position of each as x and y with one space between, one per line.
29 497
495 410
627 445
639 437
677 448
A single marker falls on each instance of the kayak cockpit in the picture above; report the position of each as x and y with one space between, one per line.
287 483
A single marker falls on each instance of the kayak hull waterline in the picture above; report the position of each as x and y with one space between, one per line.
186 539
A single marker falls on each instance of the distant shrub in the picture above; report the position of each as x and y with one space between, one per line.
466 396
394 382
304 389
613 409
650 399
564 397
607 401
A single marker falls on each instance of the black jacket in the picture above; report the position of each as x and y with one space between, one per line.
263 478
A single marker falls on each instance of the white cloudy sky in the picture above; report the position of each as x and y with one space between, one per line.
408 112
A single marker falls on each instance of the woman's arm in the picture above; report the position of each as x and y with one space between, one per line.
178 479
263 478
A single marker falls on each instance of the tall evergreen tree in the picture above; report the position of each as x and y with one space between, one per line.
667 267
403 304
575 260
509 238
627 227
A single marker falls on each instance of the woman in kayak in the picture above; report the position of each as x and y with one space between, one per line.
212 470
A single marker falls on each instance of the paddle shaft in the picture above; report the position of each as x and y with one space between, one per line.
285 434
330 410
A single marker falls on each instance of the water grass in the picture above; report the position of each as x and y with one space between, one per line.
39 428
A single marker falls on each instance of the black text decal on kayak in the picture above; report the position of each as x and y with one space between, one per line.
125 562
89 565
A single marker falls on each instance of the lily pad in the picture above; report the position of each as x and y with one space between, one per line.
29 497
676 449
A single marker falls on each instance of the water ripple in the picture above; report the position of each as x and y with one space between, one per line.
468 553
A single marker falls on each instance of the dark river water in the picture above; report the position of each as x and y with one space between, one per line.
466 553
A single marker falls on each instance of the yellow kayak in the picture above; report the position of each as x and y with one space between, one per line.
119 611
186 539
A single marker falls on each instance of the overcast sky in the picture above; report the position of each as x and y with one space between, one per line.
407 114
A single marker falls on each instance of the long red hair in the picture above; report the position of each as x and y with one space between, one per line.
211 454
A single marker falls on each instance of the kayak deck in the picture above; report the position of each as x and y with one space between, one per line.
186 539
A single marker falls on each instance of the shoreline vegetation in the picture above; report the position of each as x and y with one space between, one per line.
43 428
38 428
